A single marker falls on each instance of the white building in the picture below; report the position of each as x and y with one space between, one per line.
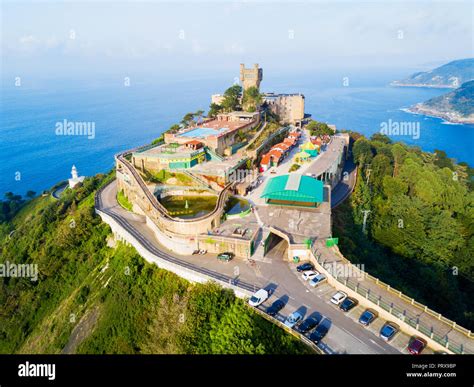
75 179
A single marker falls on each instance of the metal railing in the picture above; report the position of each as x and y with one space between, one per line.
401 313
154 201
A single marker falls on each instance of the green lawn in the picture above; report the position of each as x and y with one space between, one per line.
123 201
168 177
197 205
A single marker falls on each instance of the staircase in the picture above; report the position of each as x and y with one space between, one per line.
258 255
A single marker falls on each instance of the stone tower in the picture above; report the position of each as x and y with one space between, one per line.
251 77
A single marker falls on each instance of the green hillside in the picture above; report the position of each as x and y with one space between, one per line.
450 75
460 100
420 230
455 106
92 298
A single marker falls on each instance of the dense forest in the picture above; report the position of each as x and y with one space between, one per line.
94 295
419 231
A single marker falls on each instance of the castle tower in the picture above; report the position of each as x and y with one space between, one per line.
250 76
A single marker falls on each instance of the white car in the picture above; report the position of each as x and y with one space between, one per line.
338 298
319 279
258 298
309 275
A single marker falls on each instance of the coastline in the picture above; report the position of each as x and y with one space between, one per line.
421 85
423 110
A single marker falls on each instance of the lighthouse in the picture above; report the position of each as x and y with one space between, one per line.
75 178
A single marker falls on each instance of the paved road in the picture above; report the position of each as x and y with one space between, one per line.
58 191
345 336
345 187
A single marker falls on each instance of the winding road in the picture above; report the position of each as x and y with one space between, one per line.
274 272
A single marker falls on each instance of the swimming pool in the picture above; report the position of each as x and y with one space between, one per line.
203 132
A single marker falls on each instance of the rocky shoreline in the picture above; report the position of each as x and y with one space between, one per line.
447 116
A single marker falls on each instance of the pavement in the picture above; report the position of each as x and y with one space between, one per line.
273 272
345 187
407 311
59 191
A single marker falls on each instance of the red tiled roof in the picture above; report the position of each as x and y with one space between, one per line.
193 142
275 153
281 145
265 159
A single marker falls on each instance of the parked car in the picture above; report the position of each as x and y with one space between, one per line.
388 331
416 345
304 267
348 304
274 308
338 298
319 333
258 297
225 257
319 279
309 275
196 252
367 317
293 319
308 324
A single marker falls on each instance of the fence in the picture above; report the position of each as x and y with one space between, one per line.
401 313
291 331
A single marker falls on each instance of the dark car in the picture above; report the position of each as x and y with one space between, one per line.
274 308
304 267
225 257
348 304
308 324
416 345
388 331
367 317
319 333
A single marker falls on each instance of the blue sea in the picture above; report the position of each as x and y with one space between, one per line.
34 157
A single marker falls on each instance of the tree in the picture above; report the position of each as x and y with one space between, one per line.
174 128
30 194
9 195
442 160
231 98
252 99
234 333
381 138
214 110
187 119
399 153
319 128
362 151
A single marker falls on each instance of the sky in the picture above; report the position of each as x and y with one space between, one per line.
74 38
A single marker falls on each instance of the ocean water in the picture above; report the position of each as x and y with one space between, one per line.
34 157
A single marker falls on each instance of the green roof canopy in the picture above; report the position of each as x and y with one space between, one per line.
294 187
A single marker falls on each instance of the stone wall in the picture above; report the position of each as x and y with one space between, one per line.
169 225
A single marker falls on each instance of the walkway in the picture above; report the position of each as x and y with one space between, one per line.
344 336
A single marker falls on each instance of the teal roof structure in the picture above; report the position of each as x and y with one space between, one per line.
294 187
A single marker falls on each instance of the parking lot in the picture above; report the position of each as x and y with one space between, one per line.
324 292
